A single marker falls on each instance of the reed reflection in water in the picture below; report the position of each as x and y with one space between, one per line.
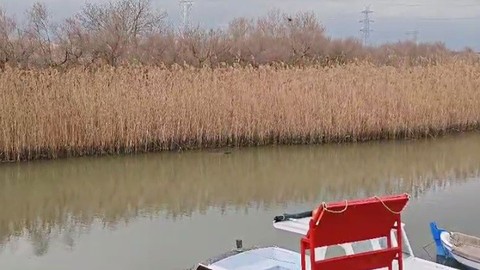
66 213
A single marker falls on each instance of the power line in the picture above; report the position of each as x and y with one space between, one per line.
468 5
366 30
404 5
448 19
424 5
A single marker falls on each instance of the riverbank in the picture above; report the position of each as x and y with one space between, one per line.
53 114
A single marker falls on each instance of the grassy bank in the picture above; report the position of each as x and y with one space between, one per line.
51 114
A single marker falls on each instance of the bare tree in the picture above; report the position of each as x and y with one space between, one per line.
8 29
116 27
240 31
202 47
17 45
306 36
131 31
40 33
73 41
157 49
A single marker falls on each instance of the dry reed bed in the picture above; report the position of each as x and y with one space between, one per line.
50 114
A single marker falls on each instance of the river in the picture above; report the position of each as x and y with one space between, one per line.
171 210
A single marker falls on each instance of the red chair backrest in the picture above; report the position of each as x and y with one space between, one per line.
357 220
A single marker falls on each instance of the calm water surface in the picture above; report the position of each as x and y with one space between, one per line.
171 210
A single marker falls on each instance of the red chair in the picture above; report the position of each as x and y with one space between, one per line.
352 221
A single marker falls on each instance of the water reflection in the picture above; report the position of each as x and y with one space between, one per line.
61 199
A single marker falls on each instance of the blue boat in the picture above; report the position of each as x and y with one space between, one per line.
463 248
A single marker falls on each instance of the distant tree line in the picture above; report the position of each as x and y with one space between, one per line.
133 32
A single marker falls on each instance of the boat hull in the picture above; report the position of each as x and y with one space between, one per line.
258 258
445 238
279 258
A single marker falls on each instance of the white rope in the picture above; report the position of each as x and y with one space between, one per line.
388 208
325 207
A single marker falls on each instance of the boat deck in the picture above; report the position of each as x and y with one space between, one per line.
274 258
365 246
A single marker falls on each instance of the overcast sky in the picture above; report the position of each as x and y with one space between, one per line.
454 22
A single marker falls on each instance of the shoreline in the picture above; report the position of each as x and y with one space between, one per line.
230 148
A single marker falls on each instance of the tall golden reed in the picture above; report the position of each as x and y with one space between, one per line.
50 114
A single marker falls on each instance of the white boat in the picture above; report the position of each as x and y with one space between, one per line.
353 235
463 248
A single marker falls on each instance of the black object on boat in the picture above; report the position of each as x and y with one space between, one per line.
294 216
